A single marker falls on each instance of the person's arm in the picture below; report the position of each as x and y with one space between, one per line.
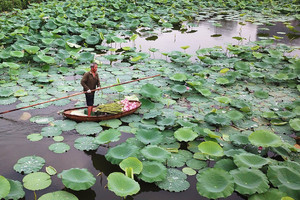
83 82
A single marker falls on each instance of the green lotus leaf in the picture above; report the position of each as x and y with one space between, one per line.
265 138
51 170
256 75
41 120
20 93
176 160
295 124
77 179
233 152
112 123
65 125
235 115
261 94
88 128
196 164
85 143
204 91
4 187
186 123
249 160
58 195
149 136
51 131
189 171
59 147
286 114
174 182
47 41
16 190
281 76
178 77
215 183
93 40
59 42
179 88
185 134
269 115
217 119
150 91
271 194
46 59
153 171
132 162
18 54
222 81
225 164
11 65
58 138
249 181
153 152
242 66
29 164
107 136
223 99
169 121
5 92
118 153
37 181
86 57
239 139
286 179
122 185
34 137
211 148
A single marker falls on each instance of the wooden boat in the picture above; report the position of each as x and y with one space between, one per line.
74 115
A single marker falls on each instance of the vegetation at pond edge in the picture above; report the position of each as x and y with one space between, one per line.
229 117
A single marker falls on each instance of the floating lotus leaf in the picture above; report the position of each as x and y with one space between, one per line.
169 121
51 131
111 135
215 183
31 49
86 57
204 91
58 138
234 115
37 181
178 77
186 123
118 153
20 93
176 160
256 75
149 136
261 94
222 81
189 171
86 144
16 190
41 120
153 152
286 179
196 164
46 59
286 114
132 162
65 125
249 181
271 194
34 137
5 92
77 179
59 147
239 139
174 182
6 101
92 40
185 134
249 160
295 124
18 54
4 187
179 88
242 66
211 148
51 170
58 195
233 152
150 91
217 119
29 164
265 138
113 123
122 185
223 99
269 115
225 164
88 128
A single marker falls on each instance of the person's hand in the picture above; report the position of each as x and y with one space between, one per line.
89 91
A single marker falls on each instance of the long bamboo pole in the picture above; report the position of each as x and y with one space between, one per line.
75 94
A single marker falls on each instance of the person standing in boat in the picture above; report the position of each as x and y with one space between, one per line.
90 81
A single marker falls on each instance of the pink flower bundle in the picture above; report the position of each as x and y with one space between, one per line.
128 105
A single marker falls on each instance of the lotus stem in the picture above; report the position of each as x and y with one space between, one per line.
34 195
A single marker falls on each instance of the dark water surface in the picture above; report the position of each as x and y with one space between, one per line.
13 131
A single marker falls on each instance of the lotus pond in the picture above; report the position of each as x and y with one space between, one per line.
222 120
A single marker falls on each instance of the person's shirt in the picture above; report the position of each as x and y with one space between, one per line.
89 82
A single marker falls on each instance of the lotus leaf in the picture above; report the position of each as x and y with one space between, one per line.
239 139
225 164
242 66
256 75
269 115
20 93
37 181
150 91
5 187
215 183
93 40
261 94
211 148
118 153
88 128
286 179
265 138
189 171
16 190
169 121
41 120
29 164
51 131
113 123
150 136
122 185
234 115
178 77
86 144
217 119
249 160
153 152
185 134
295 124
58 138
153 171
5 92
196 164
18 54
176 160
65 125
46 59
174 182
271 194
107 136
286 114
222 81
249 181
58 195
59 147
34 137
86 57
51 170
186 123
77 179
132 162
180 89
